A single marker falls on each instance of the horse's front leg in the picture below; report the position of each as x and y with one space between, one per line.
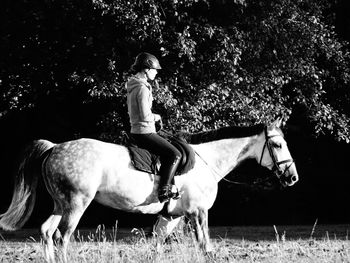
163 228
199 221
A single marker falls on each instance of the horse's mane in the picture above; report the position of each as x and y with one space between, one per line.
222 133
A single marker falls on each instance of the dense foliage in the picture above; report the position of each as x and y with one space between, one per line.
225 62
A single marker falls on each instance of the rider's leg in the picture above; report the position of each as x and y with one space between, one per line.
167 172
170 159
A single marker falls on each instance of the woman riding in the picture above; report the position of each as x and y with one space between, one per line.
142 120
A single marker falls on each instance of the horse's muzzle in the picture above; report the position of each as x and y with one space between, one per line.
289 176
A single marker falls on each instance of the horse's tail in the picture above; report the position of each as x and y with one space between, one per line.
25 183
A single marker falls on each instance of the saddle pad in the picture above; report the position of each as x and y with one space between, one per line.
145 161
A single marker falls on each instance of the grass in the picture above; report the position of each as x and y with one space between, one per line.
104 246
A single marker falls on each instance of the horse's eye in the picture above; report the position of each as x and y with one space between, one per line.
279 145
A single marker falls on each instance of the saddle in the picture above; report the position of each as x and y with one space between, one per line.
148 162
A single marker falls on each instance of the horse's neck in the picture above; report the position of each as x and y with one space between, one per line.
224 155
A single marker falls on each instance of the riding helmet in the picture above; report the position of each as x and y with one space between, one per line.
146 60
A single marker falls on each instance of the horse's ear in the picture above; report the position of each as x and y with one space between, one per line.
277 123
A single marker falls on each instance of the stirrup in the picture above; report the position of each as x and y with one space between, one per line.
163 194
166 193
175 192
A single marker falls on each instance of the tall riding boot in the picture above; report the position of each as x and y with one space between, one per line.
167 173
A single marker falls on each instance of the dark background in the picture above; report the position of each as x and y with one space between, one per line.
321 194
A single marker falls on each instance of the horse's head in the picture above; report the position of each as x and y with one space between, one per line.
275 155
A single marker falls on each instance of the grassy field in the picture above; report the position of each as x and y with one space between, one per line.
232 244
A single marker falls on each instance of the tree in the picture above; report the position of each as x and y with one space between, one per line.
225 62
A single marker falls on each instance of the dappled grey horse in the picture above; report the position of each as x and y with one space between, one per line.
79 171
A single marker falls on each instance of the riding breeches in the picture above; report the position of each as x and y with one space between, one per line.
169 155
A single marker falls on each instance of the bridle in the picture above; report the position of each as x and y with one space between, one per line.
278 171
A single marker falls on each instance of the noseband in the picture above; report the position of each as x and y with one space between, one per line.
278 171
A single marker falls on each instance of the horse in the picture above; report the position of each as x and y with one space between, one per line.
79 171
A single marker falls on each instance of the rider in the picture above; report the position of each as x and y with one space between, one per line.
142 120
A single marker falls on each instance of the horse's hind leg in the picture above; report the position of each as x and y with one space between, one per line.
47 230
73 210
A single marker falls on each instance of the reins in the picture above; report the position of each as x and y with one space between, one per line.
254 184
